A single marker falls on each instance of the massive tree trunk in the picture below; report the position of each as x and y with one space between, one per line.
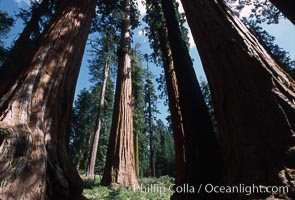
120 164
253 98
202 159
36 110
286 7
90 171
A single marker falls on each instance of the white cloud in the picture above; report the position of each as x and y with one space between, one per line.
141 33
21 2
180 8
246 11
141 7
191 39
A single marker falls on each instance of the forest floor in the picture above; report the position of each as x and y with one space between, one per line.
147 189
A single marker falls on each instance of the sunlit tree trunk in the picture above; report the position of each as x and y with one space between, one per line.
90 171
286 7
120 164
253 98
36 109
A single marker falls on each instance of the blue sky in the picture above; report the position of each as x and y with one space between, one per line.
284 33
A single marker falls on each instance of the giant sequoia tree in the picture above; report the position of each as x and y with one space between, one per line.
253 97
35 111
120 164
196 147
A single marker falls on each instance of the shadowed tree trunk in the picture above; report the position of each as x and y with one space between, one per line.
202 157
286 7
253 98
173 96
35 112
90 171
120 164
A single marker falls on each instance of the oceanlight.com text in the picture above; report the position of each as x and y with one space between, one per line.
245 189
212 189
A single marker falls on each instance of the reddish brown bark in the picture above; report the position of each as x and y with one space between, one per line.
202 159
253 98
90 171
35 112
120 164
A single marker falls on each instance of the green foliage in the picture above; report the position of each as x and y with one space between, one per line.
262 11
138 112
106 193
6 23
42 11
156 21
111 13
281 56
84 117
103 51
82 126
207 97
165 158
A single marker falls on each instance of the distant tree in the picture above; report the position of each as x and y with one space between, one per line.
150 98
140 139
165 157
106 52
81 129
36 108
252 98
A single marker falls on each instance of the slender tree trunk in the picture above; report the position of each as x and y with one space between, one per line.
90 171
120 164
150 127
253 98
35 112
286 7
202 159
85 151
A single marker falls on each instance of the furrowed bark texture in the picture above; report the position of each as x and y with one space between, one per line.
120 164
253 98
99 121
35 112
202 158
286 7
